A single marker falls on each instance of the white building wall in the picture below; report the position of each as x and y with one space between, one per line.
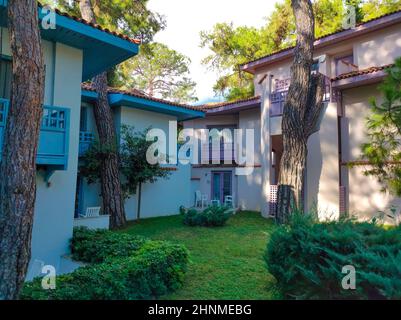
249 186
322 170
378 49
246 190
364 196
54 208
165 196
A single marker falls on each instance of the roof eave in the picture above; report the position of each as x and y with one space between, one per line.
89 39
182 114
235 107
359 80
362 29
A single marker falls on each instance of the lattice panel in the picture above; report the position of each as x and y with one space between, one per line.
273 200
343 204
282 85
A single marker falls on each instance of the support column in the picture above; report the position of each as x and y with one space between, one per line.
265 141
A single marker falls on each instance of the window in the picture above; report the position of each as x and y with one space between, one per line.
224 137
5 78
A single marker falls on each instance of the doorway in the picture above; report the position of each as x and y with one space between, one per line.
221 185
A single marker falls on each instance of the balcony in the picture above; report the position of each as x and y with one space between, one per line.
280 92
86 139
223 154
53 138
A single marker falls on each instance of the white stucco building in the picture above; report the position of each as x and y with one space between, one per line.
354 63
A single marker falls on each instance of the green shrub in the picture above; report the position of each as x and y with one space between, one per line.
95 246
212 216
154 270
123 267
307 258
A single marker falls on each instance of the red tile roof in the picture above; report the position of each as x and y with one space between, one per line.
140 94
319 38
361 72
228 103
94 25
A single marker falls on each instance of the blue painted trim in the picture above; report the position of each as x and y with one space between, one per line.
52 161
113 49
119 99
6 57
101 50
93 33
86 139
89 96
49 159
6 102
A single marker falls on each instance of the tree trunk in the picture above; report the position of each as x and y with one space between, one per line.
138 213
113 203
292 172
301 113
18 165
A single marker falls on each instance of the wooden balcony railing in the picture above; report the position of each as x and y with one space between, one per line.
53 139
224 153
86 139
280 92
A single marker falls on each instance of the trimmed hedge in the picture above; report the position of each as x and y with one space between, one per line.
95 246
307 258
144 269
213 216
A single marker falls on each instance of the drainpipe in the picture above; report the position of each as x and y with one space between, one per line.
340 115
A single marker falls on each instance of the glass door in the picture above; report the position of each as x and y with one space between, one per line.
221 185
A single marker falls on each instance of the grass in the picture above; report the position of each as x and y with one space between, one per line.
226 262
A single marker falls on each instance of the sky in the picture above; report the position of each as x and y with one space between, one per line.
185 20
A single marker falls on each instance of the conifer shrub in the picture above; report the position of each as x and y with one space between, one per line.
307 259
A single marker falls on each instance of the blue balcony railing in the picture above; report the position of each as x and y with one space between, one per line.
53 138
85 141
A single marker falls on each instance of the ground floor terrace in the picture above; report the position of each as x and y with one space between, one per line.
226 263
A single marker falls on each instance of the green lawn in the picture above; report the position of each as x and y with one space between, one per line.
226 262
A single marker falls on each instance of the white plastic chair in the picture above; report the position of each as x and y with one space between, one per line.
215 202
204 200
200 199
91 212
229 201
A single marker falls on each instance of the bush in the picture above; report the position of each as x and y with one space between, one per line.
212 216
307 259
95 246
143 271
